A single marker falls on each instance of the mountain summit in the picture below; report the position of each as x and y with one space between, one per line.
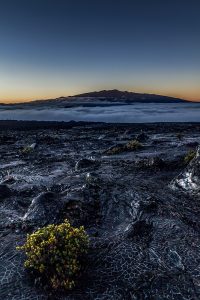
130 96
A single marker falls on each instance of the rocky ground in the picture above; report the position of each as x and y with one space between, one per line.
140 207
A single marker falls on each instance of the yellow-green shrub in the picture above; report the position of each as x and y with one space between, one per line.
26 150
189 156
114 150
130 146
55 253
133 145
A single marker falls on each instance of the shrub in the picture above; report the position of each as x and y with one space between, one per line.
133 145
54 252
115 150
189 156
130 146
28 149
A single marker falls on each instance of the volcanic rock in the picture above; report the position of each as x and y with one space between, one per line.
85 163
44 209
4 191
189 180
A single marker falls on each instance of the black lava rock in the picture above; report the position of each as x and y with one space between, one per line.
152 163
189 180
4 191
142 137
86 163
44 209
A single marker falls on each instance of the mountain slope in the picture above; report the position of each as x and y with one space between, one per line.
130 96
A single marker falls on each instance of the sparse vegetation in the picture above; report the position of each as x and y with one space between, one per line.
115 150
133 145
28 149
189 156
130 146
54 252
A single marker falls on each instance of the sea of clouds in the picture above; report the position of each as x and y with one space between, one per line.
134 113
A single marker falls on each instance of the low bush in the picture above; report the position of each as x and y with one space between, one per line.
54 253
189 156
28 149
133 145
130 146
115 150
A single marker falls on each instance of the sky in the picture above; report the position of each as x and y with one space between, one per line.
53 48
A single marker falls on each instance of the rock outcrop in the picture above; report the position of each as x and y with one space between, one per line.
189 180
44 209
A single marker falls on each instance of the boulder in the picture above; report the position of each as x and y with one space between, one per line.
85 163
189 180
44 209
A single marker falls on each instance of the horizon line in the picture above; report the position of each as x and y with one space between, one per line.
26 100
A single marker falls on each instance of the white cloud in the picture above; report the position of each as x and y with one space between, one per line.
138 113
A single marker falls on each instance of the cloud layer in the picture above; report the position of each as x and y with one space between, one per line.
137 113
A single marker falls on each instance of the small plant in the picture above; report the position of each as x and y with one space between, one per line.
115 150
54 252
189 156
28 149
133 145
130 146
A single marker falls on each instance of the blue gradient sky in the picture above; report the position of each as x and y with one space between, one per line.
63 47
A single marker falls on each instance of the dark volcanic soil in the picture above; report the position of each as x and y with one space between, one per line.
141 208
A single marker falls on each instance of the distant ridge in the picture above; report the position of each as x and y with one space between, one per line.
104 96
130 96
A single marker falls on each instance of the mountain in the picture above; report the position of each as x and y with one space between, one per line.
101 98
129 97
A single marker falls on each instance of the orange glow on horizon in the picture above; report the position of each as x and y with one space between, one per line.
8 99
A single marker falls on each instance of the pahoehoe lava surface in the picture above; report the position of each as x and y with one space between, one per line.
140 208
